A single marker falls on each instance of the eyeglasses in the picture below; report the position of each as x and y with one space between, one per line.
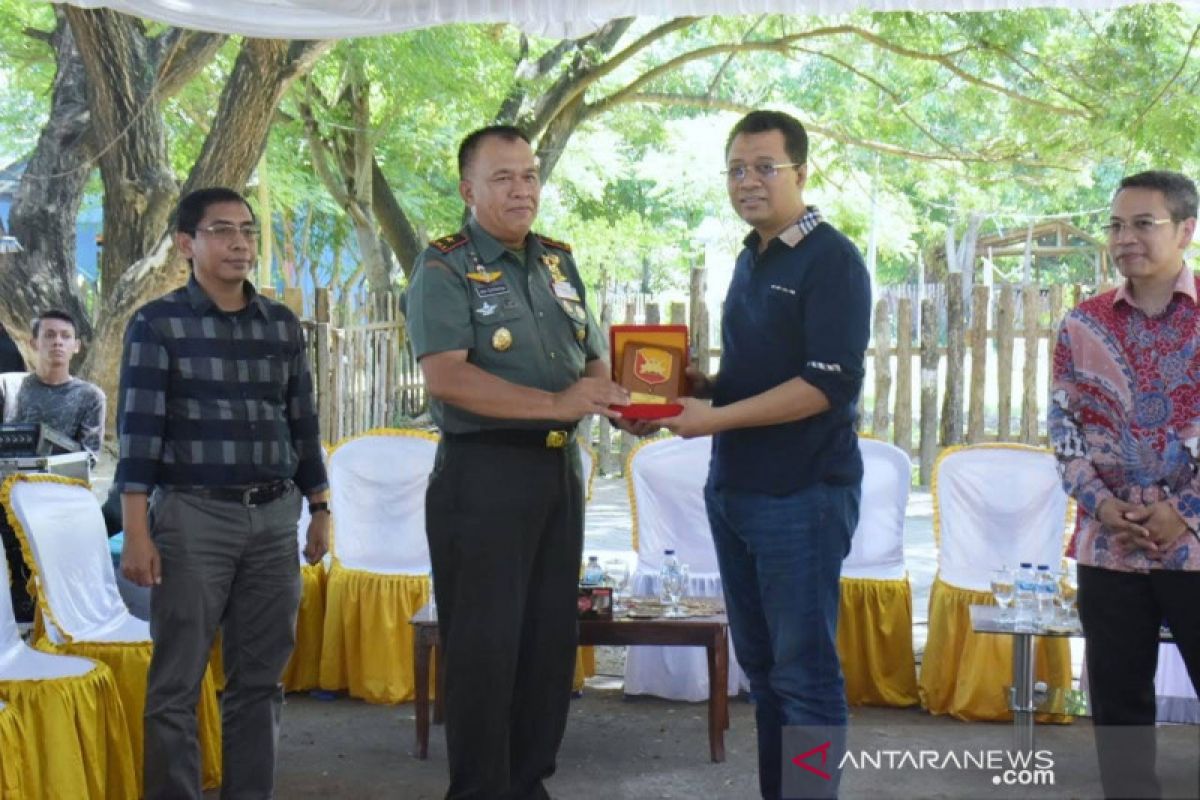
228 233
764 171
1140 227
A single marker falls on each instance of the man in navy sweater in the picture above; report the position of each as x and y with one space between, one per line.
784 482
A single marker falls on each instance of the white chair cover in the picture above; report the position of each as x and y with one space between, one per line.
19 661
377 483
999 505
1177 700
666 479
75 570
588 467
877 548
302 531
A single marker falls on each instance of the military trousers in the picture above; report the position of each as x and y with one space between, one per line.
234 567
505 529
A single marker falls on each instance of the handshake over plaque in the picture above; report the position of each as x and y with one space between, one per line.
650 361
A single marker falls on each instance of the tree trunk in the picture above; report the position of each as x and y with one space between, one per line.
43 214
122 95
262 72
394 224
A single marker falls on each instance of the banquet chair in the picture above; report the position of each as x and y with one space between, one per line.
665 477
1174 693
62 726
380 571
61 530
874 637
993 505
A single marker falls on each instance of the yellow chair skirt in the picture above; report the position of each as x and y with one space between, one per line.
967 674
874 642
74 741
130 663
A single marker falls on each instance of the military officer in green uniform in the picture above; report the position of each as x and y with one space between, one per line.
512 360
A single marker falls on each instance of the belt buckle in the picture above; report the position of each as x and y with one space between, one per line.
556 439
248 496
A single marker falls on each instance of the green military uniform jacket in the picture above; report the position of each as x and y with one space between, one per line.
527 323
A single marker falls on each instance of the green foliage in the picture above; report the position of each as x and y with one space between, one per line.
26 77
939 115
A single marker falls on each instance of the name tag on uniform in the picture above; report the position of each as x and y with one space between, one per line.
491 289
564 290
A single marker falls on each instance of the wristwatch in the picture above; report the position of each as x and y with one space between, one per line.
313 508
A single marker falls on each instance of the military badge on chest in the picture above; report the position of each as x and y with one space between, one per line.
502 339
564 292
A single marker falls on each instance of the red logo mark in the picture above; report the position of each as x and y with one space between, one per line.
823 749
652 365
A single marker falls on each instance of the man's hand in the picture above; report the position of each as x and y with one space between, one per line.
1162 524
638 427
698 418
139 560
702 385
1124 521
317 542
589 396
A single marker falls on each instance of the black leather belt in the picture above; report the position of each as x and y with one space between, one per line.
254 495
552 439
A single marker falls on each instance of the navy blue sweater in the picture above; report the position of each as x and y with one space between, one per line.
801 311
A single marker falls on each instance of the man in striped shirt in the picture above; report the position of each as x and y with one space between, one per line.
219 441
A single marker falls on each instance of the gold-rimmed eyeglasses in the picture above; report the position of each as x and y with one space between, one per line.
227 232
765 172
1140 226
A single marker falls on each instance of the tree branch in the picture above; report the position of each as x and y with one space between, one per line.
897 100
181 54
1170 81
700 101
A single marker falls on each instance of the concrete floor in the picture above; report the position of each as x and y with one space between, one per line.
617 748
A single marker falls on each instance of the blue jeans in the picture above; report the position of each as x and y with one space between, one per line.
781 562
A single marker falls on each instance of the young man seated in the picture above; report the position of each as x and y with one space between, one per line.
49 395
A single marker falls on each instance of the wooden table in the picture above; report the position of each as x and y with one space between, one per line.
711 633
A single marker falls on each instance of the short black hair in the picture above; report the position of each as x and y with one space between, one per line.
54 313
1178 190
795 138
469 146
192 207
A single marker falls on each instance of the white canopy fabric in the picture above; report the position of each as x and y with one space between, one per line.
339 19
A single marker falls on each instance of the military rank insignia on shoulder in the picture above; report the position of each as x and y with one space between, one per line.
449 243
548 242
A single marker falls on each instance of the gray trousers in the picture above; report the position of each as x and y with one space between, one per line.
226 565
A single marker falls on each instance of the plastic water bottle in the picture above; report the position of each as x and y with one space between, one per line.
1047 595
669 573
593 573
1025 597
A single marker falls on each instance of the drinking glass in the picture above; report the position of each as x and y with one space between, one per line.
1002 590
1068 591
675 587
616 572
